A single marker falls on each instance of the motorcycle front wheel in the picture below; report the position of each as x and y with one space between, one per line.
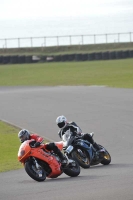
33 172
82 157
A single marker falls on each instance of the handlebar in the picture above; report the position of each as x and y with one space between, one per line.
72 138
32 143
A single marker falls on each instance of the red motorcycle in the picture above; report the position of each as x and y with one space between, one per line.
40 163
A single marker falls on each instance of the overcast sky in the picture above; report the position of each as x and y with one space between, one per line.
17 9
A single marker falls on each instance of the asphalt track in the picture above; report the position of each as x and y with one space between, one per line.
108 112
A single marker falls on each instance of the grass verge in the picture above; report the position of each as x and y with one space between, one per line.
9 145
112 73
70 49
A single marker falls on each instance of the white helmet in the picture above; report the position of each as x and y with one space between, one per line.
23 135
61 121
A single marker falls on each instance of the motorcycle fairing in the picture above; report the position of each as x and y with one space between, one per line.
25 151
86 145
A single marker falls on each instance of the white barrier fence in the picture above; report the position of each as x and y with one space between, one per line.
47 41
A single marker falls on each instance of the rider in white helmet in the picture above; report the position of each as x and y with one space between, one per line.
71 128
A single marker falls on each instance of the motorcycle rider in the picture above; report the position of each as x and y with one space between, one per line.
24 135
71 128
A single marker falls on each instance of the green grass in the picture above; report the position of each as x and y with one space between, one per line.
9 145
112 73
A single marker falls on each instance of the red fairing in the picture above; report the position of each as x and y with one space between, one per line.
25 152
36 137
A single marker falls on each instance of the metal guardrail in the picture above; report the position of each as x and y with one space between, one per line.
65 40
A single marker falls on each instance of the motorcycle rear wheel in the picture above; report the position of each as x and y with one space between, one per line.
72 171
30 169
106 157
82 157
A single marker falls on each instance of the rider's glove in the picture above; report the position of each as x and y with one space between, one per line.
37 144
64 148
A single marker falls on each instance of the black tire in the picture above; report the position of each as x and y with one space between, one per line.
34 175
106 157
83 161
72 171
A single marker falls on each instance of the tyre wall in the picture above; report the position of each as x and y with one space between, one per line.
95 56
105 55
14 59
1 59
21 59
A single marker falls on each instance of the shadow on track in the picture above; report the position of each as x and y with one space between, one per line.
62 179
81 177
114 165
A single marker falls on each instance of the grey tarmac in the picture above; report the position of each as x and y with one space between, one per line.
108 112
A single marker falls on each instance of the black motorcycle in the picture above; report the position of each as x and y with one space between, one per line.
85 154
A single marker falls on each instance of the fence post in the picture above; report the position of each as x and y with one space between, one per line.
82 39
57 41
5 43
106 38
94 39
45 41
130 36
118 37
18 42
31 41
70 39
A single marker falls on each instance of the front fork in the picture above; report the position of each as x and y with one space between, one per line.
67 152
38 167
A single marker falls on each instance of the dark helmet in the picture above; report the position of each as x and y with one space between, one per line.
23 135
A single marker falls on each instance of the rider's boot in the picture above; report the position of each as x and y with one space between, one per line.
98 149
63 159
